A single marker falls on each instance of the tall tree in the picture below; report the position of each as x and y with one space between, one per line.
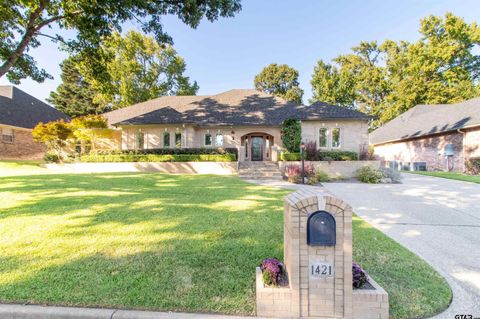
74 96
136 68
22 22
443 66
279 80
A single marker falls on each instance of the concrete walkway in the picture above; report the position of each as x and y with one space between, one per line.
438 219
49 312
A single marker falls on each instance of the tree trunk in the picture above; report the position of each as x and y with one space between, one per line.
26 39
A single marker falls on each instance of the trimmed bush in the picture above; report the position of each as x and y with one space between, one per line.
159 158
360 276
172 151
321 176
473 166
51 158
370 175
391 174
320 156
290 157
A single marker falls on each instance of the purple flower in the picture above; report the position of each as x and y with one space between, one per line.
272 270
360 276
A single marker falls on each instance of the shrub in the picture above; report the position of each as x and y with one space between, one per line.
51 158
172 151
473 166
159 158
360 276
272 271
368 174
292 135
294 172
311 152
391 174
321 176
288 157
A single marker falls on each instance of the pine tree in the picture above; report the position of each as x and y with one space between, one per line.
74 96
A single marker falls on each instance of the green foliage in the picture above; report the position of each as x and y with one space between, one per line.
89 129
321 176
292 135
53 134
135 68
370 175
287 156
51 158
385 80
168 151
159 158
279 80
22 22
74 96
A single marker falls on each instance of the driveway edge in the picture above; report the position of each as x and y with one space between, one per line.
15 311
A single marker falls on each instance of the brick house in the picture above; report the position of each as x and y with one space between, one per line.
19 114
431 137
248 120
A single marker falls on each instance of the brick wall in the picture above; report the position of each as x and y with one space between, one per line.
428 149
23 146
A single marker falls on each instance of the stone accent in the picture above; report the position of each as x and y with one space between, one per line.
23 146
335 169
310 296
370 303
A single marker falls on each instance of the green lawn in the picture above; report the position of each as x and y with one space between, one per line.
10 168
450 175
168 242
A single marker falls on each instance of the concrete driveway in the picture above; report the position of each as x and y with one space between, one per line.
439 219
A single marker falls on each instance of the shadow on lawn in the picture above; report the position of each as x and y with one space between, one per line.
148 241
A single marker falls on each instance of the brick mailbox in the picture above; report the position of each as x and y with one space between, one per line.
318 261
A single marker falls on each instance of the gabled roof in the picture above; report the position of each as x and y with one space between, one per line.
234 107
424 120
20 109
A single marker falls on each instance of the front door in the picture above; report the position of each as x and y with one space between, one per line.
257 148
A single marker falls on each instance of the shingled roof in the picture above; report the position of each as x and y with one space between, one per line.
20 109
424 120
234 107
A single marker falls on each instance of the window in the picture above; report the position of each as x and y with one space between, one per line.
166 139
178 139
336 137
219 139
7 135
208 139
322 137
139 141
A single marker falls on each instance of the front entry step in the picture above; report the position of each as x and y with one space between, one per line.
259 170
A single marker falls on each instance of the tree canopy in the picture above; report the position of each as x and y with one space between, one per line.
23 22
385 80
279 80
135 68
74 96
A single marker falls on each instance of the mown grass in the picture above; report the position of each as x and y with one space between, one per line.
168 242
450 175
11 168
415 289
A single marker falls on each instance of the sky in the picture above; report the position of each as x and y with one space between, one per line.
228 53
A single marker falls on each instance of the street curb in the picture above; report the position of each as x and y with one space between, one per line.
8 311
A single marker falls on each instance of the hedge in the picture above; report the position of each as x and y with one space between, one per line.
323 156
158 158
172 151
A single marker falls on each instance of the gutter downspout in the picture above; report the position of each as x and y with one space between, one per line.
463 148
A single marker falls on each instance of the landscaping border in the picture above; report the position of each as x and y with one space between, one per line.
335 169
217 168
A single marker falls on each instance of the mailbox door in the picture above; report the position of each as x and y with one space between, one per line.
321 229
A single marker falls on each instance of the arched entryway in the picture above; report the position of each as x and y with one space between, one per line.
258 146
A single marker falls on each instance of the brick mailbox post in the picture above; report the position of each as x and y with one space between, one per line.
318 261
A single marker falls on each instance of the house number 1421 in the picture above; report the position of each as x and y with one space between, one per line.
321 270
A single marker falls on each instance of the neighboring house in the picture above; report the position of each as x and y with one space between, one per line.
19 114
431 137
248 120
